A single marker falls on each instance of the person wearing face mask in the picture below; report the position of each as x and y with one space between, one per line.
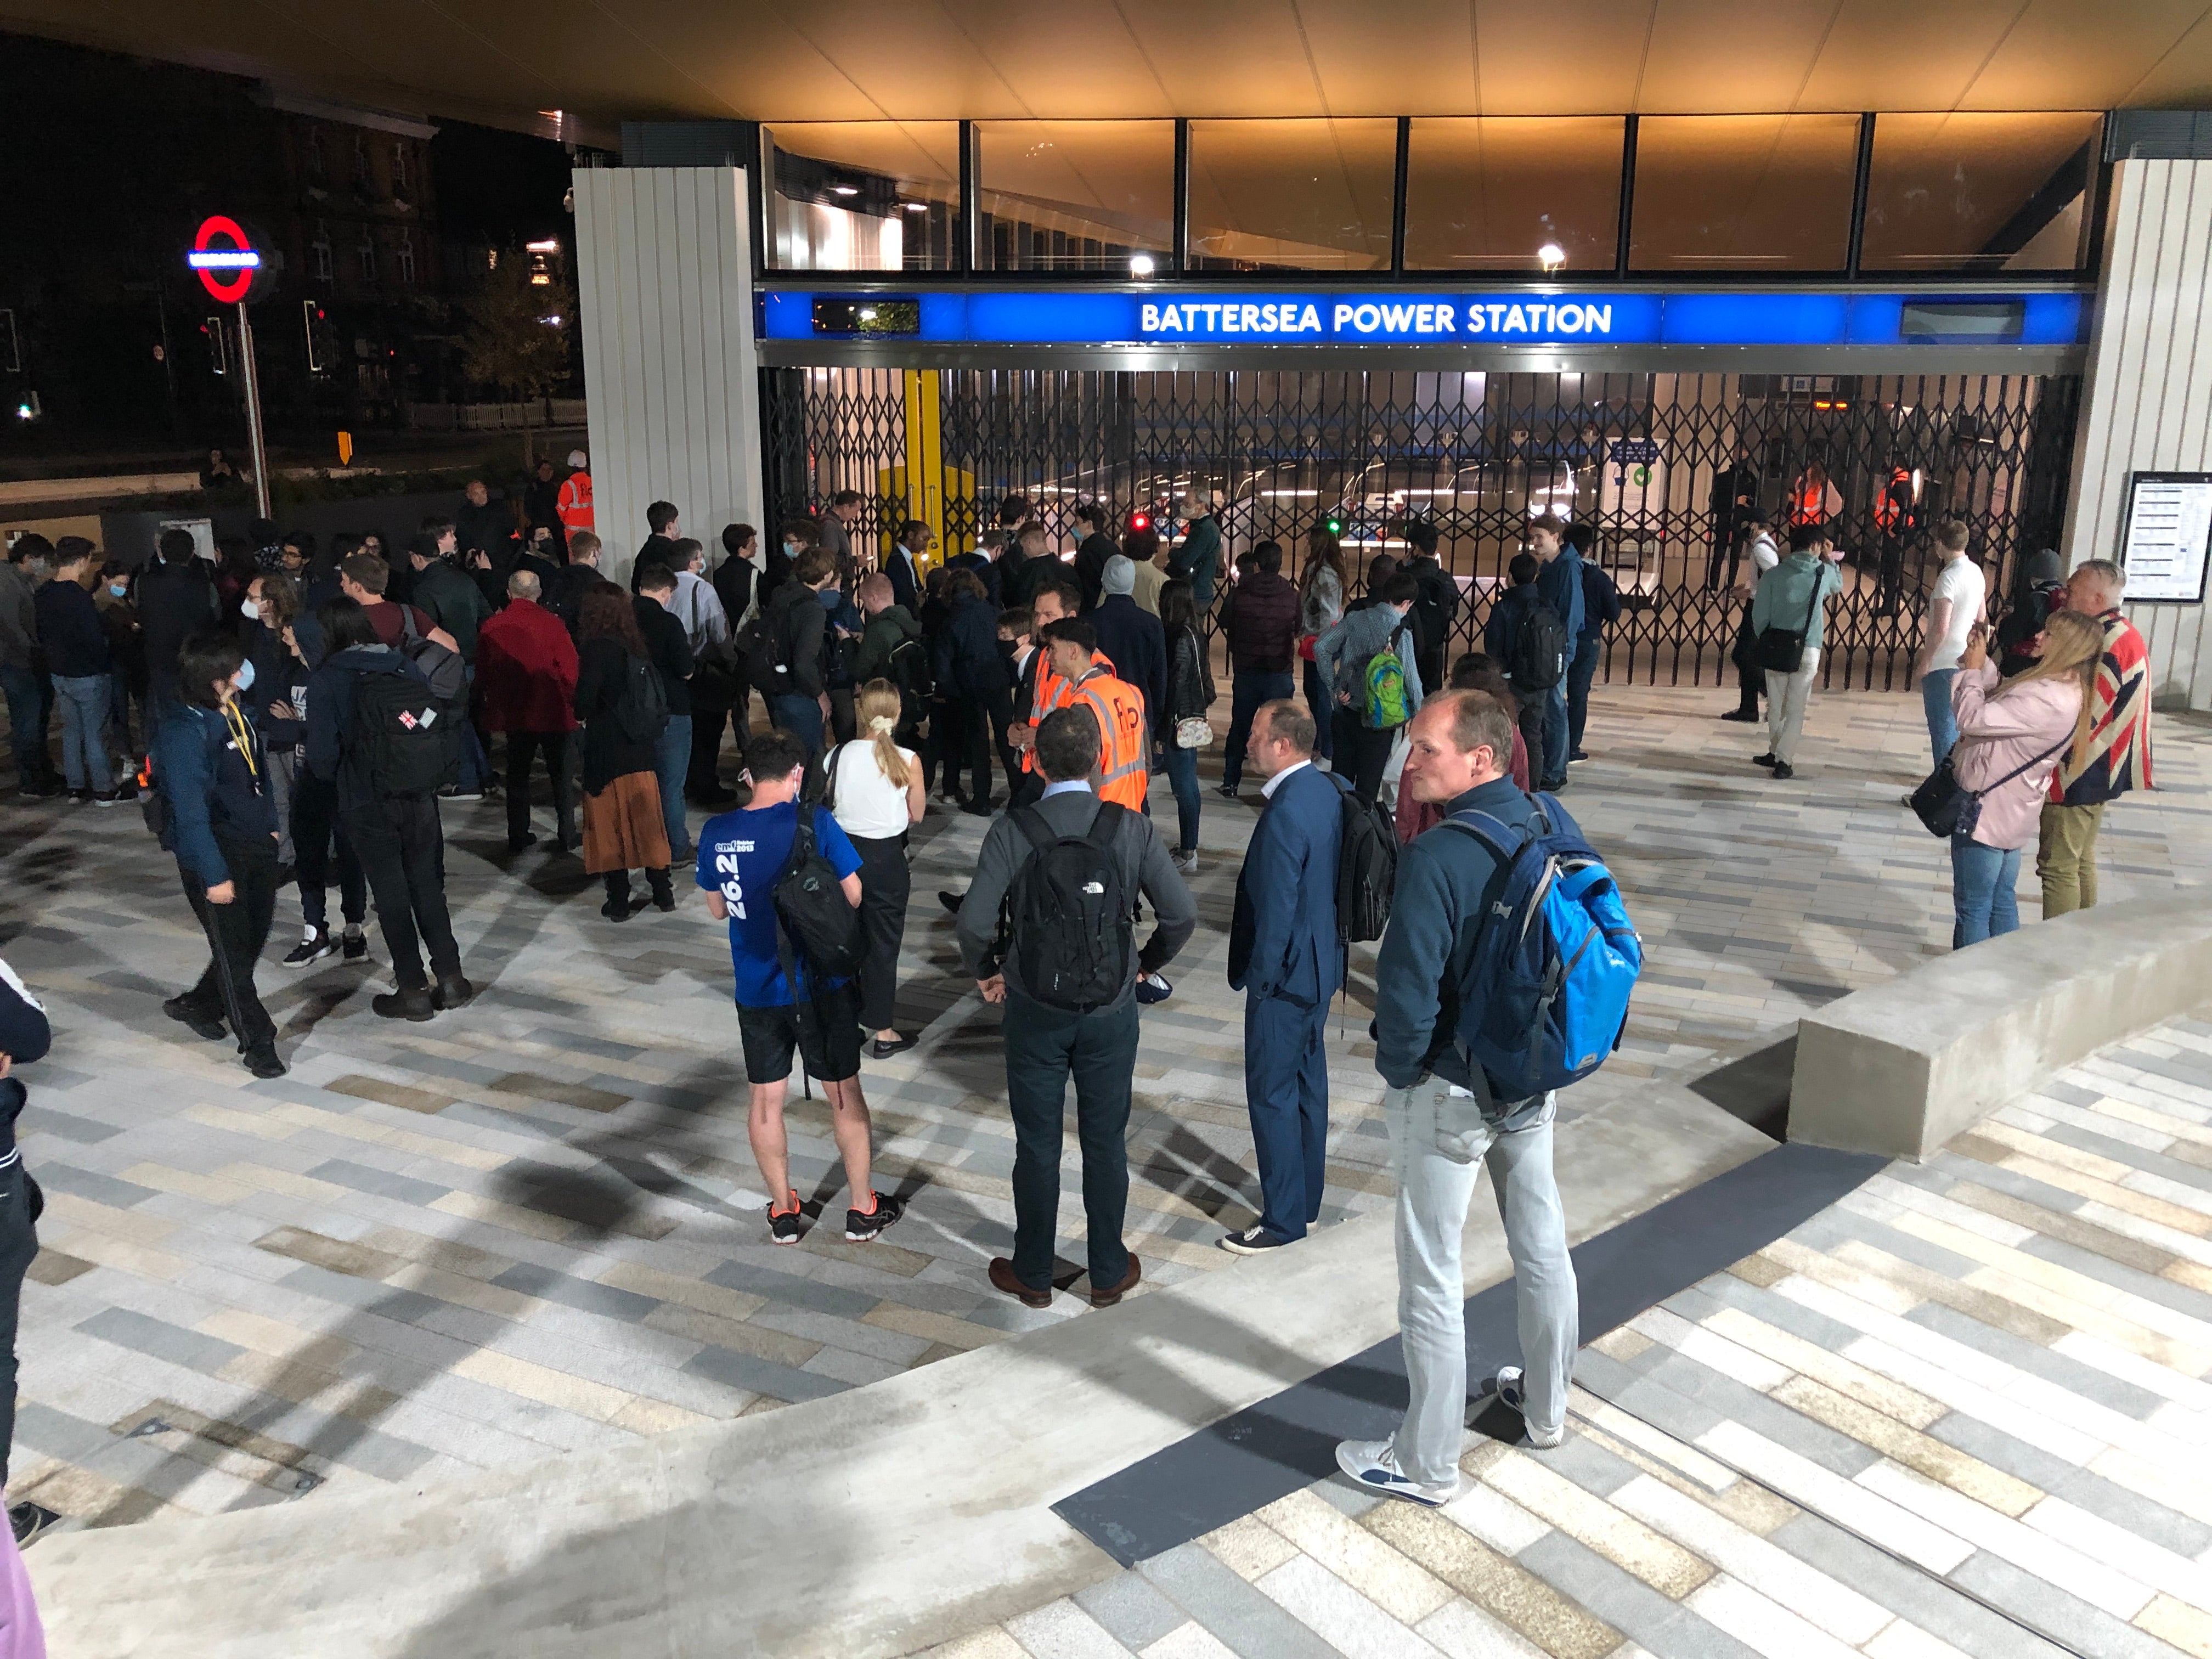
126 671
221 822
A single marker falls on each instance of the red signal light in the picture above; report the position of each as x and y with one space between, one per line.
1140 521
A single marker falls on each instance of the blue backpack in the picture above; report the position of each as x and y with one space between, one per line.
1546 997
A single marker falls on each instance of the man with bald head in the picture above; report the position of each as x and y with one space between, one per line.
527 676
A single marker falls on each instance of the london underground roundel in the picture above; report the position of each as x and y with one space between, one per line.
224 258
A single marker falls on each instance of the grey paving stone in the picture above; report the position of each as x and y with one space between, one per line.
401 1306
2072 1375
1842 1227
1664 1628
86 1130
1590 1466
591 1297
364 1179
789 1287
1727 1398
2026 1188
1919 1597
1239 1617
2045 1606
756 1375
2080 1487
57 1434
117 1194
2149 1286
161 1339
1339 1493
1134 1613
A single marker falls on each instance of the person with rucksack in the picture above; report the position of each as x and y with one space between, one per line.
970 673
892 649
784 649
623 705
219 817
1367 669
873 788
669 648
1260 620
1505 975
380 733
790 888
1601 609
1437 607
1285 956
1525 637
1559 585
1066 873
1787 616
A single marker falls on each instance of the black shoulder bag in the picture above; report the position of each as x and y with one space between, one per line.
1948 808
1781 651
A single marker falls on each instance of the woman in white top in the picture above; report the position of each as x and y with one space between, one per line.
874 790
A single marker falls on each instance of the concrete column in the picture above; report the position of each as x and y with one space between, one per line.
664 260
2147 398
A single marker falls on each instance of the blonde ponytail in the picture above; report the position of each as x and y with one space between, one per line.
878 710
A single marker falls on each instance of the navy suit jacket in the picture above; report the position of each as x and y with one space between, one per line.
1282 940
898 565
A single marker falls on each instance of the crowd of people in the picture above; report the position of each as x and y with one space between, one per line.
306 715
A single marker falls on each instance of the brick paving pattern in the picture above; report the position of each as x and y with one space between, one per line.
1961 1412
534 1226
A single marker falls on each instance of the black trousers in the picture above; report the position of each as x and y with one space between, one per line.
238 930
19 1243
704 774
402 849
1000 714
1750 677
965 746
314 832
522 748
885 884
1046 1048
1360 752
1533 705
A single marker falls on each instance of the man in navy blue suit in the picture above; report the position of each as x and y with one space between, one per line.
1284 956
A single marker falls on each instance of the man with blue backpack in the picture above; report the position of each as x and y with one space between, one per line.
1504 976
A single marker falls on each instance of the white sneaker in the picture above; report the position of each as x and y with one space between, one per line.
1187 862
1374 1463
1510 1385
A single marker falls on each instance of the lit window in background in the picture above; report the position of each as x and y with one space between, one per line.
1292 195
1074 195
1979 192
1491 193
1743 192
863 194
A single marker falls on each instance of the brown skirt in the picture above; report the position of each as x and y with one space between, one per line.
622 826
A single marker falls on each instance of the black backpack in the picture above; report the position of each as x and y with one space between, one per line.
1537 659
446 671
1072 925
1366 868
641 712
402 735
908 670
814 922
762 652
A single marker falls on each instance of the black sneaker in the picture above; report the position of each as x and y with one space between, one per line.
786 1226
79 797
1226 790
355 944
879 1049
1253 1240
39 789
1783 770
1764 760
107 798
460 792
27 1520
315 945
1579 755
860 1227
262 1061
203 1025
1746 715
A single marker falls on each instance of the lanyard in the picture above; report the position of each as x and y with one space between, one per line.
244 737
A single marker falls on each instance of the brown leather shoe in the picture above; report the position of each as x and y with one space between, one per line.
1002 1279
1107 1298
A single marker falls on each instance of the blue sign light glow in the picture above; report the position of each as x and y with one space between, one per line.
1173 317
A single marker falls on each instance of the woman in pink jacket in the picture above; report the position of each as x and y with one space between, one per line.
2011 735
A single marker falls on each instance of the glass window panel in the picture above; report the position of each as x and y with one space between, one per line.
1489 192
1972 193
863 194
1075 195
1743 192
1292 195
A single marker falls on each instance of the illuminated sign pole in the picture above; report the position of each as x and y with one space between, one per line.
227 261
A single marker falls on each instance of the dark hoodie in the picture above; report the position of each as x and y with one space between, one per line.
888 630
25 1035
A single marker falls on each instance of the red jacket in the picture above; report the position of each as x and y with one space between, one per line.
527 670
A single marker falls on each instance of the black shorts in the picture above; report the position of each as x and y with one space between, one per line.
826 1032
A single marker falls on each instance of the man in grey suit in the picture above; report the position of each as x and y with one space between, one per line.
1284 955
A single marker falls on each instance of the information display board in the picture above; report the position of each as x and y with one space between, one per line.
2169 532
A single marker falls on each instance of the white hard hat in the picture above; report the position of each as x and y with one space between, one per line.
576 459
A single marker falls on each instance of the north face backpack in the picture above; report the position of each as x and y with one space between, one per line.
1537 659
1072 925
1366 867
1385 703
403 734
1545 998
814 920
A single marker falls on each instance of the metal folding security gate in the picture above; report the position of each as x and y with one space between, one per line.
1663 469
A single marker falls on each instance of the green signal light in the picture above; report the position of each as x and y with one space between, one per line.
1335 526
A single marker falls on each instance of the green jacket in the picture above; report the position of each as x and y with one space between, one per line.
450 599
1788 591
888 630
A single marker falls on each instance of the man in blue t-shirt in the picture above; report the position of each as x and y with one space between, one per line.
741 855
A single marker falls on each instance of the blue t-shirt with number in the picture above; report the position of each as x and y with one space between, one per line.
741 854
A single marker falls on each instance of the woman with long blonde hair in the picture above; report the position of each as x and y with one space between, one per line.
2012 736
874 790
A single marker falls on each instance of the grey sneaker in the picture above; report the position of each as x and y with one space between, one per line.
1374 1463
1187 862
1510 1385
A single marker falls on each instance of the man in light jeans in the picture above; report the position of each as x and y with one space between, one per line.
1955 605
1791 597
1444 1124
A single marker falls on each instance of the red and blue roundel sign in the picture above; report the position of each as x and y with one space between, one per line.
224 258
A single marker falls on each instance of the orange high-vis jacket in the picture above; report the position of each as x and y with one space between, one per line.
1053 692
1124 761
574 504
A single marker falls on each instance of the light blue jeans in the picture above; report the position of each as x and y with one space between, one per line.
1982 903
1439 1143
84 732
1936 702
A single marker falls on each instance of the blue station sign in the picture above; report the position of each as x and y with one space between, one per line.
1558 319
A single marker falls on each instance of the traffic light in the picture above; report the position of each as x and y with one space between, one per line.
1334 527
218 358
1140 522
318 328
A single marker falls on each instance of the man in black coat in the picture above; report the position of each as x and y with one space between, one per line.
1132 638
176 599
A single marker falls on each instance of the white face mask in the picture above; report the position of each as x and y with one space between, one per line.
791 550
250 611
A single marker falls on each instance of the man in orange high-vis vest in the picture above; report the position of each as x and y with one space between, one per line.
1124 752
574 503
